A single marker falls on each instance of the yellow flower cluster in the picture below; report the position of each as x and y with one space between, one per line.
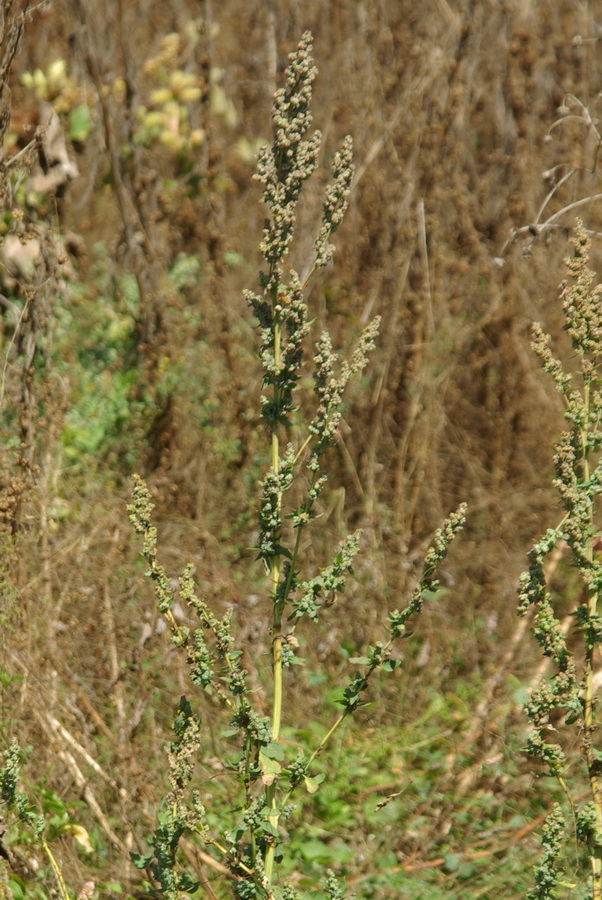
166 119
54 86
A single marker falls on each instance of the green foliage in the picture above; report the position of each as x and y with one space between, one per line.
110 411
15 801
176 815
548 872
103 374
12 797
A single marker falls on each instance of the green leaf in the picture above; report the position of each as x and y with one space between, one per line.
234 260
187 884
273 750
314 849
389 665
452 862
466 870
80 123
140 861
279 550
17 888
313 782
572 716
360 660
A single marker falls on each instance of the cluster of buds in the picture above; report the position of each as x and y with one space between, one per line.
54 86
166 119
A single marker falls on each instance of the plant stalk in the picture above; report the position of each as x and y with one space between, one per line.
589 699
276 624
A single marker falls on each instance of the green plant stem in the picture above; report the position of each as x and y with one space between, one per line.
277 663
291 573
296 548
589 699
276 622
319 749
239 863
62 887
334 727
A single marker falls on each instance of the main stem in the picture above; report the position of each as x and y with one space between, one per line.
62 887
276 624
589 699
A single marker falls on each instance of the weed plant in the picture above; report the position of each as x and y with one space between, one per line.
28 818
563 709
268 772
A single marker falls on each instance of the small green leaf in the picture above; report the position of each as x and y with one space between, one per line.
187 884
466 870
313 782
273 750
451 863
314 849
234 260
80 123
389 665
279 550
572 716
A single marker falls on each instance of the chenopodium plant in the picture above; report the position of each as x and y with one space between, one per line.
563 709
29 821
268 777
